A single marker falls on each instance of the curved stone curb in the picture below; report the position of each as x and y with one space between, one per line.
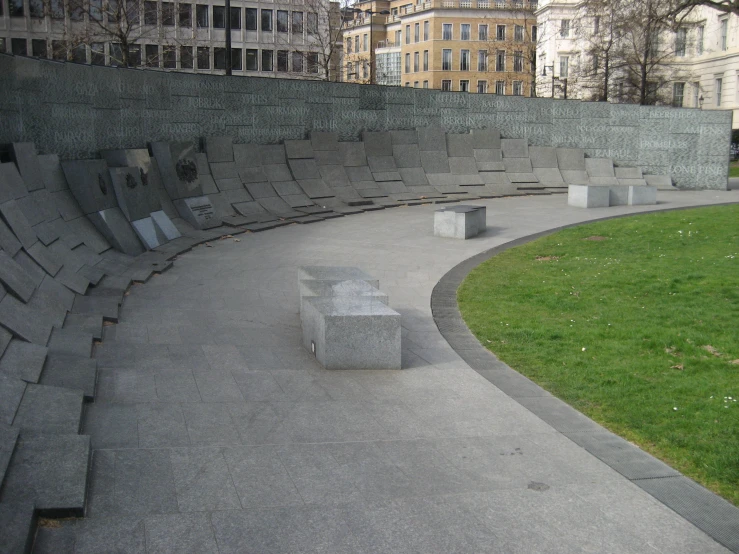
712 514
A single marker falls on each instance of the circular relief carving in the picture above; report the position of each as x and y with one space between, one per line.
102 185
144 177
130 181
187 170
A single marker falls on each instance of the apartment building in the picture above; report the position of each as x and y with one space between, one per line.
268 39
481 46
700 58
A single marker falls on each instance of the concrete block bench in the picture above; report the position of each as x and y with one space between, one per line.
459 222
345 319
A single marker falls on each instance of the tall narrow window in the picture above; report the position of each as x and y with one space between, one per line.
446 31
446 60
678 91
500 60
699 40
464 31
482 60
500 32
724 32
681 36
482 32
564 28
719 90
464 60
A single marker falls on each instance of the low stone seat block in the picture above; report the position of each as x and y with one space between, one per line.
459 222
588 196
352 332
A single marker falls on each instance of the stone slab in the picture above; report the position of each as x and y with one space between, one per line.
23 321
352 332
198 211
298 149
12 186
90 183
178 168
599 167
460 222
23 360
571 159
514 148
588 196
219 149
435 161
15 278
117 230
51 472
352 154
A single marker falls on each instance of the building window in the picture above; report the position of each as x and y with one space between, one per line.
446 85
186 59
283 21
425 30
564 66
464 60
500 32
282 56
407 63
500 60
446 59
203 57
518 33
724 32
184 15
482 32
169 57
417 33
425 84
518 61
297 62
564 28
407 34
534 33
464 31
150 13
267 60
699 40
201 15
464 85
219 17
167 14
446 31
719 90
681 36
482 60
482 87
500 87
251 19
266 20
152 55
416 62
517 88
251 60
678 91
425 60
39 48
297 23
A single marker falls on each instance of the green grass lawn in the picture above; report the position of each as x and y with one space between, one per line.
634 322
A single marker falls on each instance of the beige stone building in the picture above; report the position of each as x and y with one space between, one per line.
485 46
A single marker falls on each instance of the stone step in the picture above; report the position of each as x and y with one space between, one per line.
49 472
49 410
17 527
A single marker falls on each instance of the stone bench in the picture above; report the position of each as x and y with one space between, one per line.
345 319
459 222
603 196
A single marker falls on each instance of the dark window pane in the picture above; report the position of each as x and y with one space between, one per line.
185 15
170 57
297 62
203 57
150 13
251 60
219 58
282 21
219 17
38 48
298 23
152 55
282 60
15 9
36 7
201 14
266 20
236 59
168 13
251 19
235 18
267 57
18 46
97 53
186 57
79 54
57 9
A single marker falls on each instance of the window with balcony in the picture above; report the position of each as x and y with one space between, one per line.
564 28
482 87
464 31
446 59
446 31
464 60
482 60
500 60
482 32
500 32
446 85
518 61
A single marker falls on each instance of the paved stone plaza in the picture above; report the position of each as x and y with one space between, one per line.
214 430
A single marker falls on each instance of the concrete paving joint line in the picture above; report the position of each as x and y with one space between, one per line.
712 514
